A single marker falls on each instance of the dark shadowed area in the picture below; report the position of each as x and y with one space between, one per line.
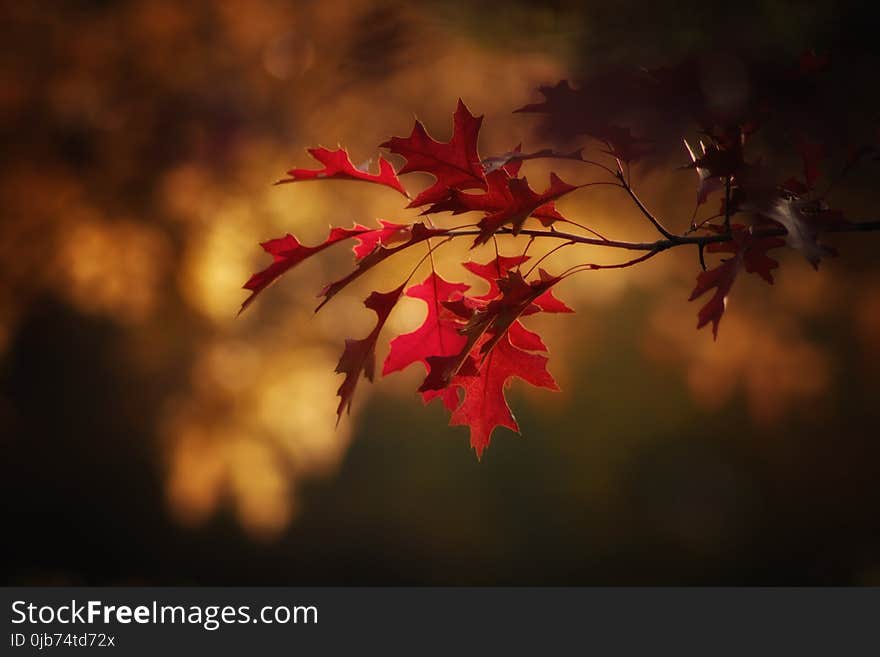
151 437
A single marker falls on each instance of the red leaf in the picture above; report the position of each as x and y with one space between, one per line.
483 406
493 354
490 318
287 253
522 202
455 164
523 338
337 164
721 278
497 197
750 253
360 355
492 271
387 234
497 268
548 303
438 335
417 233
518 298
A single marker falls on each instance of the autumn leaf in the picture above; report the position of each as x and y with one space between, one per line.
483 406
492 315
518 298
287 253
387 234
491 355
337 164
359 356
749 253
438 335
521 203
569 112
492 271
418 232
497 268
454 164
497 198
801 231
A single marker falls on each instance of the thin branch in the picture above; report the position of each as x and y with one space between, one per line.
583 227
546 255
641 206
727 205
621 265
695 227
673 240
600 165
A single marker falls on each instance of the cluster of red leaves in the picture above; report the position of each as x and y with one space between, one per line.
471 345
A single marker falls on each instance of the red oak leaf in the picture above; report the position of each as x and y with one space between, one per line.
573 112
496 347
438 335
492 271
487 323
749 253
360 355
721 278
417 233
387 234
522 202
548 303
483 406
497 268
523 338
497 197
518 298
337 164
287 252
454 164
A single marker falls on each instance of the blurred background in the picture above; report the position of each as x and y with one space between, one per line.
150 437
